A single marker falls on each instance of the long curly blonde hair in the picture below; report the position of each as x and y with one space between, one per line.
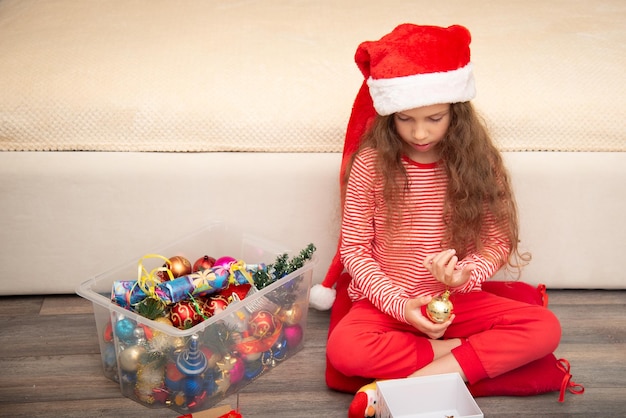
478 181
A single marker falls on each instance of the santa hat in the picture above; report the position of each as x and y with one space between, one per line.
410 67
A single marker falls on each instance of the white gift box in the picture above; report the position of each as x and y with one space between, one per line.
440 396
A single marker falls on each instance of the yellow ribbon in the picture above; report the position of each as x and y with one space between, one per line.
148 280
239 266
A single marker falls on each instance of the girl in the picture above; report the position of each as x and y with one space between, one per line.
427 207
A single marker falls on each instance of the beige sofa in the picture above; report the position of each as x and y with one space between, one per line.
124 125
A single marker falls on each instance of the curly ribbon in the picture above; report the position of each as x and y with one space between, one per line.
567 383
196 307
148 281
239 273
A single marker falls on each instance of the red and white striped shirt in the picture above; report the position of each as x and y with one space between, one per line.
389 272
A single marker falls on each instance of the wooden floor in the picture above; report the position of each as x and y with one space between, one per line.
50 366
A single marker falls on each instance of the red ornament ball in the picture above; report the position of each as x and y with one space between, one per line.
108 332
173 377
241 290
183 315
203 263
262 324
214 305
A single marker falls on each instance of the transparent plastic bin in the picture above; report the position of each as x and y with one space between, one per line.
189 370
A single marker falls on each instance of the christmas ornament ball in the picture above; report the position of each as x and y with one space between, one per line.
254 368
213 305
225 261
235 291
151 374
237 372
179 266
291 315
279 350
262 323
192 385
180 399
129 358
439 309
184 315
173 377
161 320
108 332
149 377
293 335
108 357
124 330
203 263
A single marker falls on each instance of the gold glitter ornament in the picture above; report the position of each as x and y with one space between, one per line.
439 309
149 377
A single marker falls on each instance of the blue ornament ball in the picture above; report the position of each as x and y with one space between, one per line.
124 330
280 349
210 384
109 357
253 369
193 386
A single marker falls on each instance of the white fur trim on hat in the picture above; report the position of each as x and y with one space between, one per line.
322 297
391 95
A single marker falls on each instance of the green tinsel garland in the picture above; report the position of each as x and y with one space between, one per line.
282 267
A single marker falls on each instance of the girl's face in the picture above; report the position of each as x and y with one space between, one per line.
421 129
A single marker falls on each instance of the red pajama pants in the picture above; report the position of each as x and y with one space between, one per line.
498 335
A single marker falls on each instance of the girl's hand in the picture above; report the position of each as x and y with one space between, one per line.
443 267
413 314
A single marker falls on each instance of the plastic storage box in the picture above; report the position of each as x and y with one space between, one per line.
438 396
192 369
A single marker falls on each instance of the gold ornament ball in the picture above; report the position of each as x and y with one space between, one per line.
439 309
179 399
161 320
129 358
292 315
179 266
